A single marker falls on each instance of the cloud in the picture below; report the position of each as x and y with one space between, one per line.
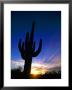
17 64
54 63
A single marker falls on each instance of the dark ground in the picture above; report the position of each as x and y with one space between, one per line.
17 74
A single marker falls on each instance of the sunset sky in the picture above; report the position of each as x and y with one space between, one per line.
47 27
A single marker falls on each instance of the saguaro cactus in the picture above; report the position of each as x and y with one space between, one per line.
27 50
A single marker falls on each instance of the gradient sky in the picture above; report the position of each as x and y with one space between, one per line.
47 27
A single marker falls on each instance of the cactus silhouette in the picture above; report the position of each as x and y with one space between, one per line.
27 50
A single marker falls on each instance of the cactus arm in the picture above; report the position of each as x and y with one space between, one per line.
39 49
23 46
27 37
32 34
19 45
26 40
33 48
21 49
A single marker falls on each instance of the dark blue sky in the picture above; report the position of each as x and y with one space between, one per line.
47 27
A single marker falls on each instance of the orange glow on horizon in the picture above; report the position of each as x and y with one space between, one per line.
38 69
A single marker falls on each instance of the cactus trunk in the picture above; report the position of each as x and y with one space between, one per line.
27 67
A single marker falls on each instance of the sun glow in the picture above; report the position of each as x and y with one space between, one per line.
38 69
34 71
